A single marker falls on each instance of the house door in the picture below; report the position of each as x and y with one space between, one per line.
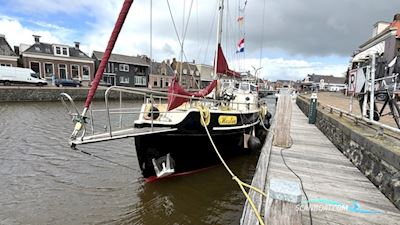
112 80
63 71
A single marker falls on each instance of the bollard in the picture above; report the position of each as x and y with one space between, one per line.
312 114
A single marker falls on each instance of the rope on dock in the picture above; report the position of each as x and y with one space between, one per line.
204 111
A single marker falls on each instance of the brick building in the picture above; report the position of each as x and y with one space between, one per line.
7 55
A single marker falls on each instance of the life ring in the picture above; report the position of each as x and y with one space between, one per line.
148 111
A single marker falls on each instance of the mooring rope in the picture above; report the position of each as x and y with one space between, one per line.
204 112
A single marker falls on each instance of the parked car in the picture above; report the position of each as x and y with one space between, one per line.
103 83
68 83
15 75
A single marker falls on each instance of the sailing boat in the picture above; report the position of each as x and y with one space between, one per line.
170 136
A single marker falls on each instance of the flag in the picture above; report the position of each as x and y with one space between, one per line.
240 46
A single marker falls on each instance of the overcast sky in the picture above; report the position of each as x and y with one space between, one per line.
300 36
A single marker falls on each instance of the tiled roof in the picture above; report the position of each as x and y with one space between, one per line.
5 48
47 49
327 79
156 68
134 60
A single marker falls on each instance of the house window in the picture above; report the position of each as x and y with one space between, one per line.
47 50
6 64
184 71
191 72
61 51
140 80
197 73
155 83
75 71
35 66
166 84
62 70
85 73
37 49
48 69
124 80
124 67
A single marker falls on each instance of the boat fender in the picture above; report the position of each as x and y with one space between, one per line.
147 112
268 115
254 143
267 124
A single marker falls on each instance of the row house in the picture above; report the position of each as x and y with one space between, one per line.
161 75
7 55
323 82
124 70
190 77
58 61
206 74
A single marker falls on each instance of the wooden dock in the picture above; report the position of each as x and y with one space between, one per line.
327 175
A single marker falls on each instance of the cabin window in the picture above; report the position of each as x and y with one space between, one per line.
124 67
75 71
244 87
48 69
124 80
85 73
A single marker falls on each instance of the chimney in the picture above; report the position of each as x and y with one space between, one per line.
16 50
37 38
77 44
194 61
2 36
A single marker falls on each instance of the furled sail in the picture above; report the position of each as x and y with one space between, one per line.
174 100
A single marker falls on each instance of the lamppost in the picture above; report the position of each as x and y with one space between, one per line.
255 72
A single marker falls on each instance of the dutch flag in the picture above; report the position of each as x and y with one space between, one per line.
240 46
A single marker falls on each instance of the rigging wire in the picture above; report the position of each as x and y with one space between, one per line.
262 32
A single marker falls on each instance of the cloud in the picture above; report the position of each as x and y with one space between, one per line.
293 69
299 36
16 33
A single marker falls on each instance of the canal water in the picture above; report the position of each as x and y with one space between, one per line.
43 181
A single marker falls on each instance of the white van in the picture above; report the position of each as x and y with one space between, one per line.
16 75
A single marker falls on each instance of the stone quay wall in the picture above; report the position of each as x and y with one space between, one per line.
373 156
32 94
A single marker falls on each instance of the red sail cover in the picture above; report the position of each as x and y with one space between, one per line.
175 101
176 89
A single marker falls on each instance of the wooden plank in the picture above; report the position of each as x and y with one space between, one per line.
327 174
283 117
259 181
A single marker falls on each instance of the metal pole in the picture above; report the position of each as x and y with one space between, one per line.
366 87
372 93
219 34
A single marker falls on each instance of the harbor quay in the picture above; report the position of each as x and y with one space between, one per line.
335 170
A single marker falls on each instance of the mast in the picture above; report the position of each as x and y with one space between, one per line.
219 33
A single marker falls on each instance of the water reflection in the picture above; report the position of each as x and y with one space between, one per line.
43 181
